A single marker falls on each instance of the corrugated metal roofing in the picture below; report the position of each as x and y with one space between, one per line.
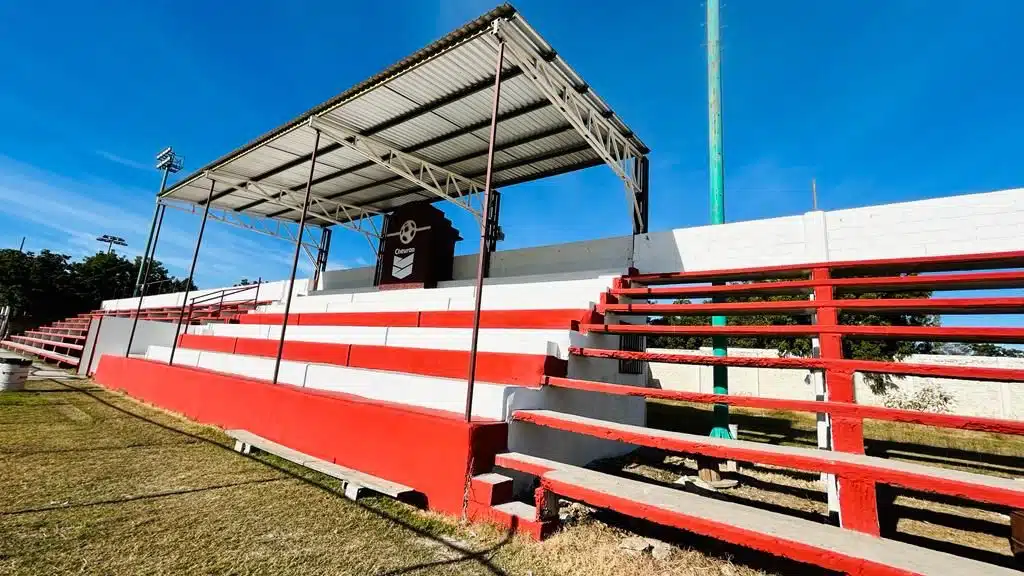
435 104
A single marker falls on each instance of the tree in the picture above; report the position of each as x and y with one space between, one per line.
44 287
884 350
978 349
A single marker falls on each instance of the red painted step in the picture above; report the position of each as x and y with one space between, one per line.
55 343
509 319
52 335
814 543
880 306
900 368
47 354
1000 335
887 266
933 282
978 487
834 408
497 367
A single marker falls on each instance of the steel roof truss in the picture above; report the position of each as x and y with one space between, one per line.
265 226
332 211
614 148
439 181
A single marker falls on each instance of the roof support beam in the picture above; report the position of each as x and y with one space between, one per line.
614 148
345 215
439 181
506 166
265 226
508 144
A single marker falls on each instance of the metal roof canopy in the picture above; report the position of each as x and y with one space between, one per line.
419 131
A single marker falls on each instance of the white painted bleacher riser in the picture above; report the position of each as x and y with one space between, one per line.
521 341
544 293
493 401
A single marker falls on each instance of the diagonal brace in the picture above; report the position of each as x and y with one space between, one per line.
439 181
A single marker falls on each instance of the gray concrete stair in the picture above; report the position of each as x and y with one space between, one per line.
356 482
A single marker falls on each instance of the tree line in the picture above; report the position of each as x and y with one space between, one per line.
43 287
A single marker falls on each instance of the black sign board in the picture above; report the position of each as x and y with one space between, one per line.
417 248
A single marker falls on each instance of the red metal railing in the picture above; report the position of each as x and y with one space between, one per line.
822 286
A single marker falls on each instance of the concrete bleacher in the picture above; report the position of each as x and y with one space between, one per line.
409 346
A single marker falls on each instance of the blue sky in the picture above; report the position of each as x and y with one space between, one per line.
880 101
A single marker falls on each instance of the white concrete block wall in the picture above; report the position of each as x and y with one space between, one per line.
987 222
972 223
969 397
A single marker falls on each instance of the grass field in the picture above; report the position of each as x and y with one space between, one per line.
92 482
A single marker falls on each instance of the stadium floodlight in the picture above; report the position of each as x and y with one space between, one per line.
168 161
111 240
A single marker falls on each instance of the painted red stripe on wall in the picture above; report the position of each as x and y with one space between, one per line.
497 367
431 452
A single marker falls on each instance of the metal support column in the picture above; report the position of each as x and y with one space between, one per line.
295 259
484 257
156 239
641 173
322 251
152 227
141 292
191 272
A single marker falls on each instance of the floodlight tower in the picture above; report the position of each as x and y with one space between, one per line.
110 241
169 163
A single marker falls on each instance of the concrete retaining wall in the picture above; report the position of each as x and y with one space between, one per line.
970 397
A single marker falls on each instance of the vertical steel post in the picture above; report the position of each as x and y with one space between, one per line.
481 266
149 241
141 288
256 297
717 185
295 259
192 273
156 239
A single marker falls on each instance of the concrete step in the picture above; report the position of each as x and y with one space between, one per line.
491 401
44 341
46 354
52 335
503 319
541 342
979 487
356 483
804 307
819 544
496 367
490 489
993 335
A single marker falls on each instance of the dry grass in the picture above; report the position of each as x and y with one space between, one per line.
92 482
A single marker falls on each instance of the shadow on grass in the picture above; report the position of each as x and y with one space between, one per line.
138 498
997 463
480 557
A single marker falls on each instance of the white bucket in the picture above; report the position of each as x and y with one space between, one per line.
14 373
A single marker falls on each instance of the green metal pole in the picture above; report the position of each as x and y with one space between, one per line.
717 187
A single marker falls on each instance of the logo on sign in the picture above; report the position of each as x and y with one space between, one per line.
401 265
